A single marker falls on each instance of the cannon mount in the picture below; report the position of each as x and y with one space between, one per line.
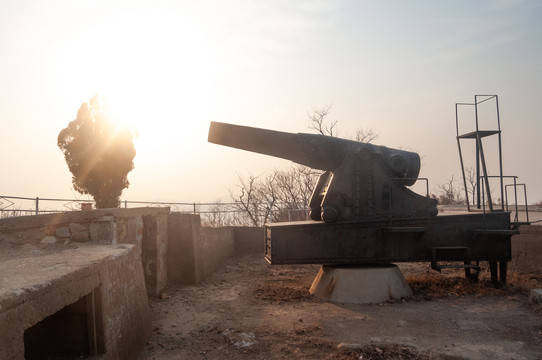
362 211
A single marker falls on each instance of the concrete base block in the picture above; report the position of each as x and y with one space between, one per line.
360 285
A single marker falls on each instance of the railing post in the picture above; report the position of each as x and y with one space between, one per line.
125 204
37 205
194 208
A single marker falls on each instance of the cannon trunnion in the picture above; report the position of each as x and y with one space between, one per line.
362 210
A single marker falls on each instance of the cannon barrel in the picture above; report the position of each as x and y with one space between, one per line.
315 151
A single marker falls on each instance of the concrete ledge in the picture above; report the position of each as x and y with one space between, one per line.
105 281
145 227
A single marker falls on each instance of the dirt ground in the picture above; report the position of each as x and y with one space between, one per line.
249 309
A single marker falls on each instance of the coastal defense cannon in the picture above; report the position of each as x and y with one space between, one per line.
360 181
363 211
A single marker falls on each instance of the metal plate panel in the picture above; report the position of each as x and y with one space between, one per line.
378 242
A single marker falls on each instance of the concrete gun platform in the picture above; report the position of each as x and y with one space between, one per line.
80 299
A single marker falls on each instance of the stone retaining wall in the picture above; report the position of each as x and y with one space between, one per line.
144 227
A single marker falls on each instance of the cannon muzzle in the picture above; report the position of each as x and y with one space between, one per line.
315 151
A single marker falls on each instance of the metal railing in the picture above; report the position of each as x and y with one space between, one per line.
39 205
13 206
505 205
31 205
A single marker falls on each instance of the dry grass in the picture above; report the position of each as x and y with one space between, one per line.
432 284
276 293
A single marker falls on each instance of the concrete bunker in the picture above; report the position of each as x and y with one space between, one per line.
77 284
74 331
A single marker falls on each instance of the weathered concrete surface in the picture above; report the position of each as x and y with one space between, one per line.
181 261
527 250
360 285
194 252
103 230
154 252
249 240
214 246
37 282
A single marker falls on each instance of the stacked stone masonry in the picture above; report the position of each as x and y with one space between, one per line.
144 227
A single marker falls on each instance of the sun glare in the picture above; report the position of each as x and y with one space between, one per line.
157 80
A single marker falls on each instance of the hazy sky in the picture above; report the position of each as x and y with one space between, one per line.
169 68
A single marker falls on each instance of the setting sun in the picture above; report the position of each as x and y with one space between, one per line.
149 83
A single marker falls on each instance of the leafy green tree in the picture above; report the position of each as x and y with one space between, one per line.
99 155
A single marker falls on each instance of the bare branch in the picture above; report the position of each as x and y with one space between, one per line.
317 121
470 177
449 194
366 135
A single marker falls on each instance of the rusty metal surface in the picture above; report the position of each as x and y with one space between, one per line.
377 242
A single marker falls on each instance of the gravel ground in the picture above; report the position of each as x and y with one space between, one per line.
251 310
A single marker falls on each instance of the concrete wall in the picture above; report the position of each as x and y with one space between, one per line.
105 280
527 250
144 227
249 240
154 252
213 247
104 261
194 252
181 253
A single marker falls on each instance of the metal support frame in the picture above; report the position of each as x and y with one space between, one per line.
483 189
478 135
516 185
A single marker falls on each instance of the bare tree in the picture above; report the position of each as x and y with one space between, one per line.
293 188
284 195
318 121
449 194
366 135
219 214
470 177
251 199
